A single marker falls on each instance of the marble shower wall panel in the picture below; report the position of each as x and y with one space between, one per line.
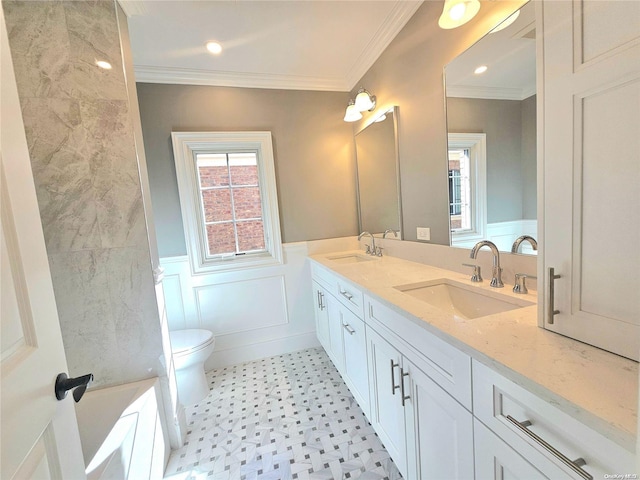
80 135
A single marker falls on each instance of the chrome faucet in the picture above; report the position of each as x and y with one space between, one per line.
496 277
388 230
519 240
371 249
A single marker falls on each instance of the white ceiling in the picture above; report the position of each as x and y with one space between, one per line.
510 56
302 45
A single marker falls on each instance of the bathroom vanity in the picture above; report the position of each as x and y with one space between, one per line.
471 387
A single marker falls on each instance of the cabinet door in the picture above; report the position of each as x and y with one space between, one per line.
322 315
495 459
336 350
591 171
355 359
387 412
439 430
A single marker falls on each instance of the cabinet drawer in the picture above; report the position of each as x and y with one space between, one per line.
444 364
350 297
544 435
346 293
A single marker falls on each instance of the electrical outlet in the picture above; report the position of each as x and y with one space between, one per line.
424 233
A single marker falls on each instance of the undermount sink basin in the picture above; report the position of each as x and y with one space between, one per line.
461 300
350 258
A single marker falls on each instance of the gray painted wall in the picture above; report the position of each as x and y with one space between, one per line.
409 74
313 149
511 151
79 131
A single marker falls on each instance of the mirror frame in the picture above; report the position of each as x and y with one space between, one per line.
394 110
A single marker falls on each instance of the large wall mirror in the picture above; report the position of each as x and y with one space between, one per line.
379 207
491 124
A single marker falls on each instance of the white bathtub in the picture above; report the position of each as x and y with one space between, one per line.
121 432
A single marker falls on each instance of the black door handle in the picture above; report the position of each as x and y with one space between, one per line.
64 384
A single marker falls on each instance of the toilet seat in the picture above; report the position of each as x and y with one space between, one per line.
185 342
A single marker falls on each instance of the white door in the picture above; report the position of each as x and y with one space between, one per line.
39 434
591 177
439 430
387 412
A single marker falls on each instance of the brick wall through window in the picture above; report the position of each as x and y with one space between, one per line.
231 203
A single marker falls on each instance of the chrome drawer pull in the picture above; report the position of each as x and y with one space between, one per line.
572 464
348 328
394 387
321 300
402 375
346 294
551 312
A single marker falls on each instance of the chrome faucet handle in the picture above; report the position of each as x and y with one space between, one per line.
379 251
520 285
477 276
367 249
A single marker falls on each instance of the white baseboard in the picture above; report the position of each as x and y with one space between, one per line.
256 351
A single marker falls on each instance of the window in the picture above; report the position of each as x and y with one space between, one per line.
228 198
467 187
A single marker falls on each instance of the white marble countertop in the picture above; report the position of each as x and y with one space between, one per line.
596 387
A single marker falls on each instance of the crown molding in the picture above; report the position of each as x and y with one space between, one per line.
398 17
133 7
184 76
490 93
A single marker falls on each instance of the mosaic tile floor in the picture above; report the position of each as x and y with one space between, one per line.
284 417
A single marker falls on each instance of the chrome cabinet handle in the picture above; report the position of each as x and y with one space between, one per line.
402 394
321 296
574 465
394 387
346 294
551 312
348 328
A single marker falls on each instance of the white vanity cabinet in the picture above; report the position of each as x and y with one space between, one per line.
428 433
441 414
341 331
557 445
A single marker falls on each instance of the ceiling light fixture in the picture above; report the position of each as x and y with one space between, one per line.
214 47
458 12
352 114
508 21
480 70
103 64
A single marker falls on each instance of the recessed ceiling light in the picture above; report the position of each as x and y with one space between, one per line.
214 47
103 64
481 69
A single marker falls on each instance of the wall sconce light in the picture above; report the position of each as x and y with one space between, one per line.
364 102
458 12
352 114
508 21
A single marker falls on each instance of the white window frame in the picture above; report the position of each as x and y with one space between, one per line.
476 143
186 147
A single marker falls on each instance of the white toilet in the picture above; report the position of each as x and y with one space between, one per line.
190 349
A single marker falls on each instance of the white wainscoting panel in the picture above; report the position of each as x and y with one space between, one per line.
253 313
226 309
